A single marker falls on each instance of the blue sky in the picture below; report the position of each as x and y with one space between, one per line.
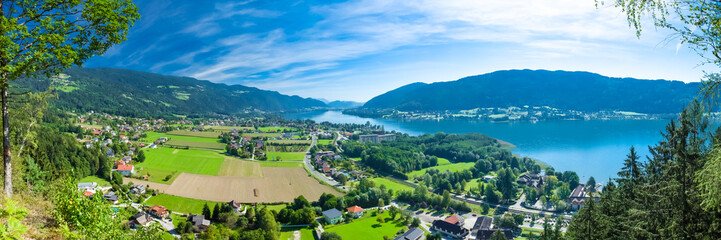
355 50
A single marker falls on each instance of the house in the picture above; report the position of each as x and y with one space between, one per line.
577 197
97 132
451 226
125 169
332 216
126 159
88 193
111 197
375 138
355 211
531 179
488 178
87 186
412 234
159 211
141 219
110 153
235 205
199 222
259 144
137 189
326 167
483 229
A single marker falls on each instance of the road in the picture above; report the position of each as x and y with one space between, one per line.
318 175
516 208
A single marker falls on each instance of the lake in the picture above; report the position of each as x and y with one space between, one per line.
591 148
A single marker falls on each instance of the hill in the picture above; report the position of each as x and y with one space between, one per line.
343 104
133 93
582 91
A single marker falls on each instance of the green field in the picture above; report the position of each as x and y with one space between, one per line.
268 135
287 233
391 184
228 128
367 227
286 156
443 161
163 161
276 129
206 134
101 182
453 167
307 142
190 141
325 141
290 164
179 204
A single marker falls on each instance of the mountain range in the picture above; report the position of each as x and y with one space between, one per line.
134 93
581 91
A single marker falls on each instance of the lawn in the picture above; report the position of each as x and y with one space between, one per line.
453 167
179 204
164 161
190 141
286 156
276 129
325 141
287 233
291 164
101 182
391 184
367 227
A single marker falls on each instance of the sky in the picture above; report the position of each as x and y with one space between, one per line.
355 50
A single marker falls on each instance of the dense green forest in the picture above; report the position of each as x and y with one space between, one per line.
133 93
581 91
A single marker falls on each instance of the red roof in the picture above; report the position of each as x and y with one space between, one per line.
159 210
354 209
453 219
88 193
125 167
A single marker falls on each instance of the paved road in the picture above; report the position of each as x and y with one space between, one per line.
319 175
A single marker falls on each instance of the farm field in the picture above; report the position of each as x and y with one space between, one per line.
285 164
286 156
190 141
269 135
228 128
276 185
164 161
240 168
276 129
101 182
288 233
179 204
367 227
391 184
289 142
207 134
325 141
453 167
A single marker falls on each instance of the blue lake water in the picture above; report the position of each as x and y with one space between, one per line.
590 148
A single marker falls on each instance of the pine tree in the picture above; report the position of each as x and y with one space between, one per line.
216 213
588 223
206 212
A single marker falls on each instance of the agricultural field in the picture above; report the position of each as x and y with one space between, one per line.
285 164
163 161
325 141
391 184
229 128
189 141
276 185
276 129
206 134
303 233
368 227
240 168
453 167
261 135
101 182
285 156
179 204
299 142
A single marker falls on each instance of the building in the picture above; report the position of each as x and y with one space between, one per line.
376 138
531 179
235 205
159 211
578 197
199 222
483 229
125 169
111 197
355 211
412 234
87 186
451 226
141 219
332 216
137 189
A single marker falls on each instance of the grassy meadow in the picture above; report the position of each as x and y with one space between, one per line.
367 227
452 167
391 184
179 204
164 161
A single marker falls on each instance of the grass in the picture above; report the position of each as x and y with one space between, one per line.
177 219
391 184
271 207
275 129
453 167
325 141
206 134
291 164
163 161
228 128
241 168
287 233
179 204
184 140
443 161
367 227
268 135
285 141
101 182
286 156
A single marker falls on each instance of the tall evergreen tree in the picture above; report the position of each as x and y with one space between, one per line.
588 223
